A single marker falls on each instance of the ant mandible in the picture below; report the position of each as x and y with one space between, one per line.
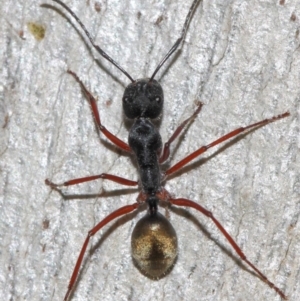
154 241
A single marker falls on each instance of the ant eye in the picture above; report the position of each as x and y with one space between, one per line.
158 99
127 99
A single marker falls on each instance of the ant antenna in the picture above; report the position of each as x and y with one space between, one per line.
179 40
100 51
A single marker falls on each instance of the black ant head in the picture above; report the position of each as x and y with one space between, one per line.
143 98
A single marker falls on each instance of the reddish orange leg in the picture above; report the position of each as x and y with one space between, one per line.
121 211
114 139
204 148
104 176
188 203
166 150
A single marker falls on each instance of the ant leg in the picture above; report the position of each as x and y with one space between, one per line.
204 148
119 212
104 176
166 150
189 203
114 139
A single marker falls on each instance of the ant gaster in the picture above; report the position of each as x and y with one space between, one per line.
154 241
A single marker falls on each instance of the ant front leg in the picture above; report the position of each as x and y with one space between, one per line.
166 150
119 212
189 203
103 176
232 134
114 139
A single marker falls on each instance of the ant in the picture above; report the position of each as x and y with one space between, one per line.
154 240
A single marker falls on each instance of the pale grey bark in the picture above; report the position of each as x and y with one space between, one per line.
241 58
